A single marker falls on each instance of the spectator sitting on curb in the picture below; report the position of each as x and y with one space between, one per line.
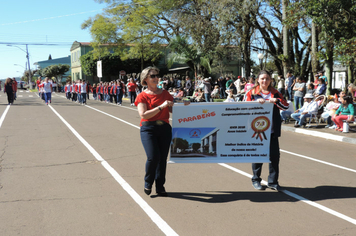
308 108
345 112
285 115
330 110
230 96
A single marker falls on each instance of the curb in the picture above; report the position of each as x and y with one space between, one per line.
320 135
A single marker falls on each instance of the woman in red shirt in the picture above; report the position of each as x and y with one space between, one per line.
154 105
132 91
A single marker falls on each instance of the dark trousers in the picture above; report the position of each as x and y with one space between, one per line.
132 97
119 98
74 96
273 166
10 97
84 98
222 92
290 94
156 140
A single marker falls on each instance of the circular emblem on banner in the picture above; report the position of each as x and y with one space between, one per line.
260 125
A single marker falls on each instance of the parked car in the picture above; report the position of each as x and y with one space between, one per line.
21 84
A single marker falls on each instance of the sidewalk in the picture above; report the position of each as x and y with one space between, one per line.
322 132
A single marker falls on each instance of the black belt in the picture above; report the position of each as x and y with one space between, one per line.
156 122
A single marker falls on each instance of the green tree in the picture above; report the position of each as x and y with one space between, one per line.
335 18
196 146
183 52
143 26
180 143
111 62
56 71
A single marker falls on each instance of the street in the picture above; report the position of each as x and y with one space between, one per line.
68 169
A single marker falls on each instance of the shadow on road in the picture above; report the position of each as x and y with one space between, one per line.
313 194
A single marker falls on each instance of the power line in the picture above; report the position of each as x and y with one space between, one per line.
49 18
41 44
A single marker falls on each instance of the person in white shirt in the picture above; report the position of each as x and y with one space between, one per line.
237 84
47 88
83 92
306 111
281 85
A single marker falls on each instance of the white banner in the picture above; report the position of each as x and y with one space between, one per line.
99 69
221 132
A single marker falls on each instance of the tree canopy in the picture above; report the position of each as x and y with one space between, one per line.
280 29
56 71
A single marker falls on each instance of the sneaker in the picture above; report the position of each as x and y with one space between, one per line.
327 126
333 127
274 187
257 185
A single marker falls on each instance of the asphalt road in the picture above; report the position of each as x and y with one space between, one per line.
67 169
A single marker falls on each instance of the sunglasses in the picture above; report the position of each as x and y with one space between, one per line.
154 76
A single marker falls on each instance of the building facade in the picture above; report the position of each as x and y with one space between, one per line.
77 50
62 60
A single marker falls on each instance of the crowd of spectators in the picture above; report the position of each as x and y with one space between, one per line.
304 98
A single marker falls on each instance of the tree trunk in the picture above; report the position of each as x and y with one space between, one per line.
314 56
329 65
246 57
285 38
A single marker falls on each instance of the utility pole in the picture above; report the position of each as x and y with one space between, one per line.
29 68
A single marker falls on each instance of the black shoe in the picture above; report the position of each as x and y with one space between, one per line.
296 126
148 191
275 187
257 185
162 194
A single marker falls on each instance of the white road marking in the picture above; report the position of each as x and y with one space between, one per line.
316 160
30 96
20 96
162 225
4 114
300 198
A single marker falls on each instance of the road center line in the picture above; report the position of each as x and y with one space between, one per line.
300 198
4 115
162 225
316 160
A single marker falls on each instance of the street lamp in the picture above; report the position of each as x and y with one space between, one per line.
28 62
260 57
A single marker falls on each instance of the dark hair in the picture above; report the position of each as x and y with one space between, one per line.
348 99
262 72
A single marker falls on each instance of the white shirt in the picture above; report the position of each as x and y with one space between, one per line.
83 88
47 87
280 83
237 85
311 107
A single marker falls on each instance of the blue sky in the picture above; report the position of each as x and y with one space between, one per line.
39 21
